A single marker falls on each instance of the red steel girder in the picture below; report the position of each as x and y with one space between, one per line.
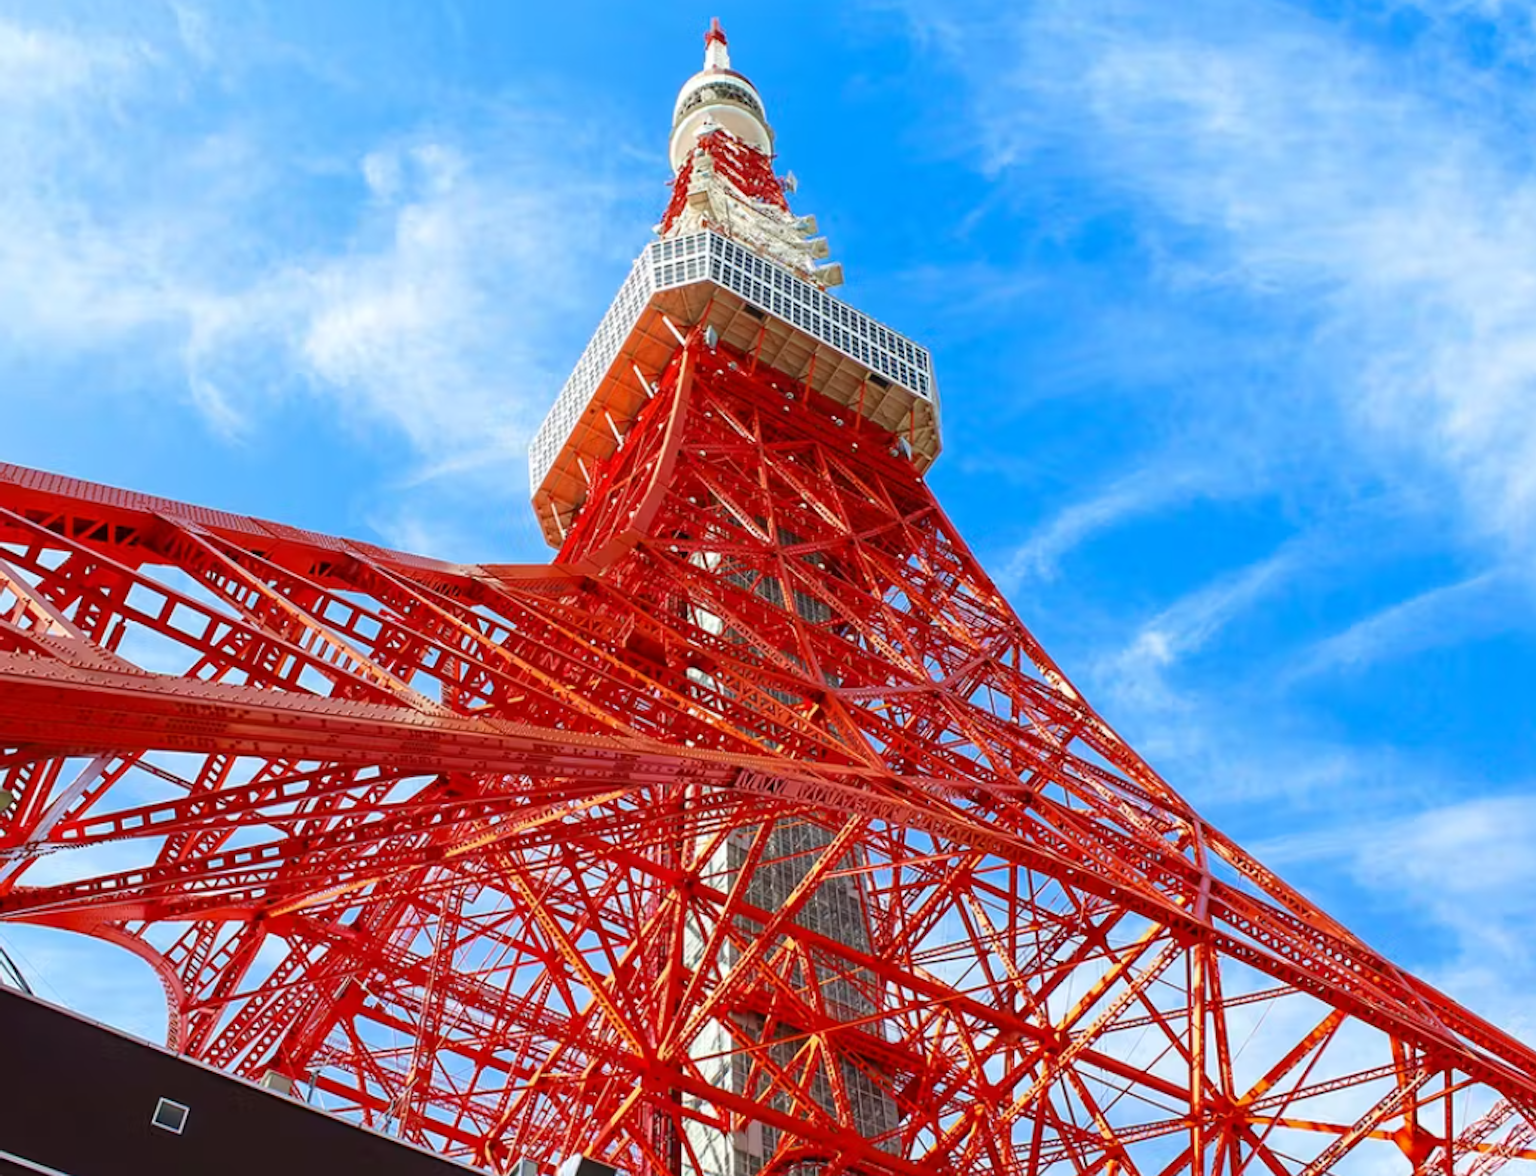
479 850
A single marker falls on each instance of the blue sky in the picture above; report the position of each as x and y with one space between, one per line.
1233 305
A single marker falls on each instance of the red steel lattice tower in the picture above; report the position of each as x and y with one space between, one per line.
754 834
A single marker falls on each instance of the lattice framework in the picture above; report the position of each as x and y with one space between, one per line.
468 850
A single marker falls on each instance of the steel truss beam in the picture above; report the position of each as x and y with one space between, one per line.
476 852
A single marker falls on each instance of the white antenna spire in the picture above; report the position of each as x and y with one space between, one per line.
716 54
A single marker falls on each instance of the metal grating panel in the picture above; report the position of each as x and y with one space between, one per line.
602 349
773 289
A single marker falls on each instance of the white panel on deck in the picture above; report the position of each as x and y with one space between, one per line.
802 307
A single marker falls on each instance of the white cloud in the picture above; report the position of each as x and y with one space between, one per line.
1144 492
1462 858
1135 672
1228 746
1193 620
1466 867
192 28
381 170
1451 614
1469 852
440 326
445 305
1230 738
1311 172
38 65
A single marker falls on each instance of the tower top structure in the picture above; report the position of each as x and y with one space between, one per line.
718 94
736 265
723 179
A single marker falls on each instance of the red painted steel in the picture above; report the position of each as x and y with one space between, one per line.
742 164
442 842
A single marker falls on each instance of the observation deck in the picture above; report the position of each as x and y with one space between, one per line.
755 305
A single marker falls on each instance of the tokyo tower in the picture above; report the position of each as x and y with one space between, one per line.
754 834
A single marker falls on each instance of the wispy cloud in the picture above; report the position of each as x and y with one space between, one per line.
1229 744
437 317
38 65
1467 868
1491 602
439 305
1190 622
1135 672
1144 492
1298 164
1226 729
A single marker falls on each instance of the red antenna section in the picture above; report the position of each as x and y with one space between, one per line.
716 33
749 170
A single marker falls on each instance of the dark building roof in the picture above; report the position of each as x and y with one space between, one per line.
79 1099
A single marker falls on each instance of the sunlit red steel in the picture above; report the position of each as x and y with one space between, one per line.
429 838
751 172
